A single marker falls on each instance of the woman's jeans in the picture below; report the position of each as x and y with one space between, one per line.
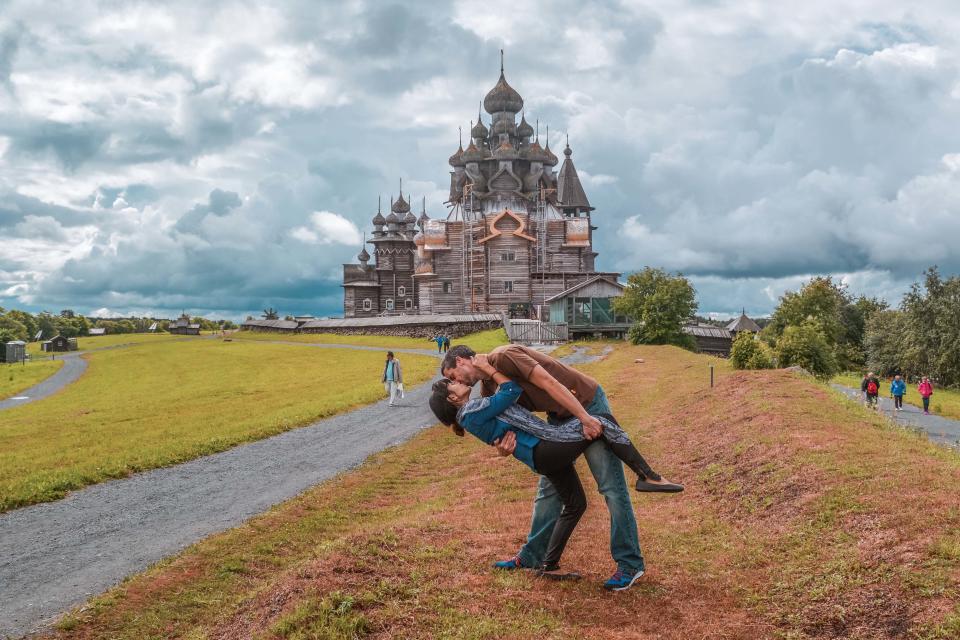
926 403
608 472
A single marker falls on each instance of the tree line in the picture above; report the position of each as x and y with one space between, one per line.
22 325
822 327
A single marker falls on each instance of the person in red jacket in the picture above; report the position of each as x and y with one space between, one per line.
926 390
871 386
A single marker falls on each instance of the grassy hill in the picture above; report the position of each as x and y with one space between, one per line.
804 517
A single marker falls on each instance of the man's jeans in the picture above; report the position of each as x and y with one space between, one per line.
608 472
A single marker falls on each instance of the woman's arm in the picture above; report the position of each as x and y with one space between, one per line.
496 404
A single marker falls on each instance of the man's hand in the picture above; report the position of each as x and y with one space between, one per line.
506 444
592 428
480 362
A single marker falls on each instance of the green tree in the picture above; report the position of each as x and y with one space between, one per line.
805 346
749 352
659 303
932 329
885 342
26 320
13 328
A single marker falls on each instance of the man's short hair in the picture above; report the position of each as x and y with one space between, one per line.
456 351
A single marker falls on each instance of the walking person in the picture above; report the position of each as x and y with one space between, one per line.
439 340
926 390
897 389
392 378
863 389
446 343
872 388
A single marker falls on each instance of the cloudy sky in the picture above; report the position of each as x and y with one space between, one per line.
223 157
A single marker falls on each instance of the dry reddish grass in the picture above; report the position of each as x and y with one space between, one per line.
803 518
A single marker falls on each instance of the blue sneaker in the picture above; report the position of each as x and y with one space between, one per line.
622 580
509 565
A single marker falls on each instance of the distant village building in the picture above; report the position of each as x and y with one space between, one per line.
587 309
97 331
718 340
517 233
59 343
741 324
13 351
183 326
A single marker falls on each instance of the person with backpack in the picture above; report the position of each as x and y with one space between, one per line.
873 390
926 390
897 389
863 389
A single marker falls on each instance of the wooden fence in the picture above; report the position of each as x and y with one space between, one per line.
534 331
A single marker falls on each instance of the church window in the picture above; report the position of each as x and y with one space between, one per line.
448 287
408 303
367 304
401 291
388 303
508 286
508 256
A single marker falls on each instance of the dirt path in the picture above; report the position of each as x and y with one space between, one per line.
940 429
95 537
73 367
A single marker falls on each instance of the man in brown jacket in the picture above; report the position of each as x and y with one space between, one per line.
561 391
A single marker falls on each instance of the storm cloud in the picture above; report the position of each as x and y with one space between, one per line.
227 157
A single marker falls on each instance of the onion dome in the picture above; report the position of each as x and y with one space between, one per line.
399 206
392 218
504 125
363 256
551 159
505 152
535 152
524 130
419 239
502 97
472 154
457 158
410 218
479 131
423 219
379 220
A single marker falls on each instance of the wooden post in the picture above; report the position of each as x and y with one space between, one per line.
711 376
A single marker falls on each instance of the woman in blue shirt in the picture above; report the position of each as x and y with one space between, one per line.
547 449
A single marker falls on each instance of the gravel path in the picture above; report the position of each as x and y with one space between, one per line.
940 429
73 367
95 537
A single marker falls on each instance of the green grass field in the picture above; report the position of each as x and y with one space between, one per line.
86 343
137 409
943 402
14 378
481 342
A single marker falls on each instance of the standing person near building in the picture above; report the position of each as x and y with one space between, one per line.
446 343
897 390
873 390
439 340
926 390
392 378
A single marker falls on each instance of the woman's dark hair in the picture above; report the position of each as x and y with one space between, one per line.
445 411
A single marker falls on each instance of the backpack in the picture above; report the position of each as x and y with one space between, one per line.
872 388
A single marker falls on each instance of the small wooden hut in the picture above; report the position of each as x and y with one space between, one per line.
13 351
59 343
587 309
182 326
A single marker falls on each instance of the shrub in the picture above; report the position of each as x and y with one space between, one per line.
805 346
749 352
